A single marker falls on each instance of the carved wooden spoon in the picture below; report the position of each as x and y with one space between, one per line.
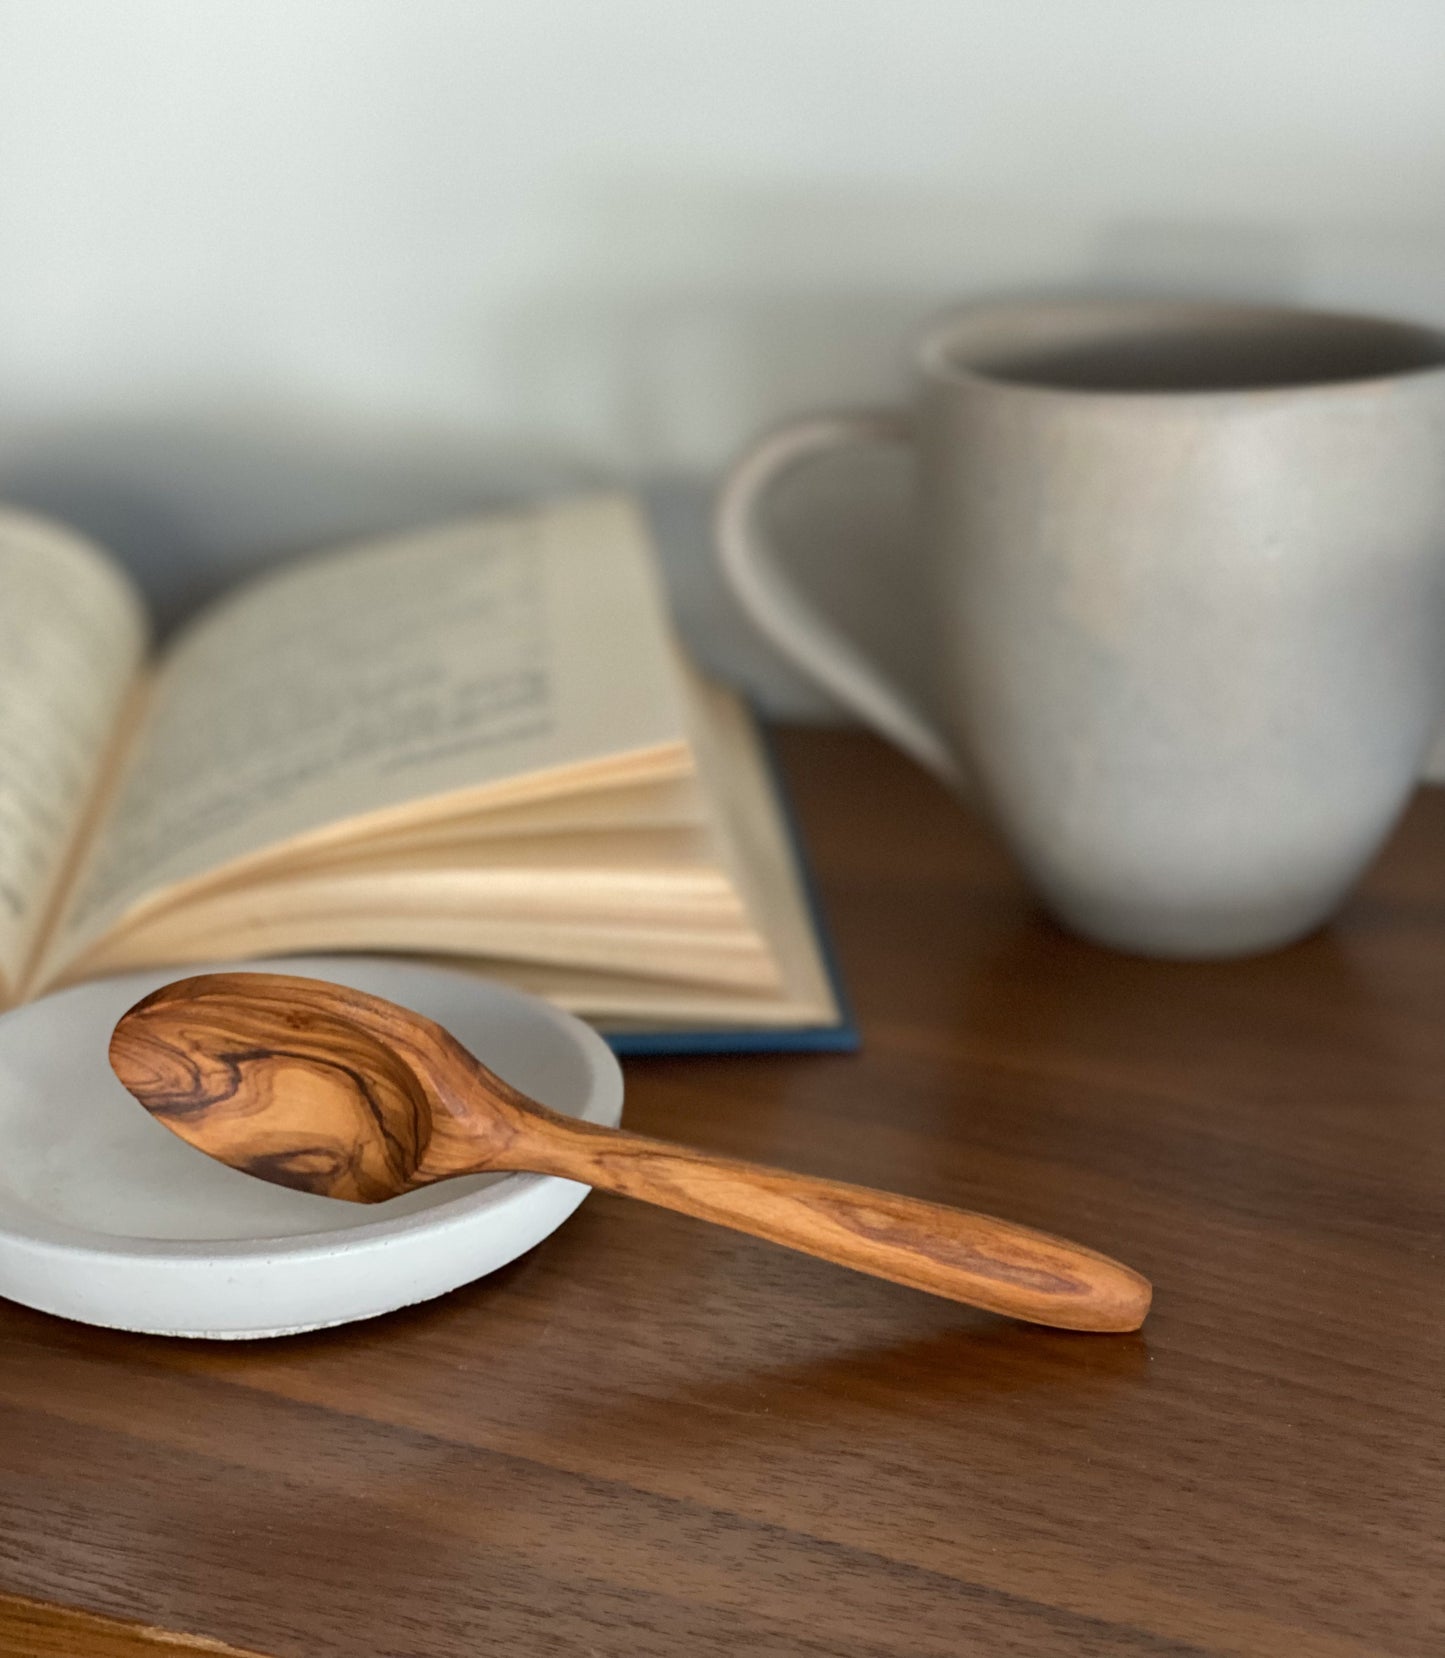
312 1085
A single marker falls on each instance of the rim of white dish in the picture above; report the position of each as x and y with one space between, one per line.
603 1104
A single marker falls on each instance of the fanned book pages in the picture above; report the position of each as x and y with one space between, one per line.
479 742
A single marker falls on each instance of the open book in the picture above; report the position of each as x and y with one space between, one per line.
479 742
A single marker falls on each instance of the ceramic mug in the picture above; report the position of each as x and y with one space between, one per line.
1186 573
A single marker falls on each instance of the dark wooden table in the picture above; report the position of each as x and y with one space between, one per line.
651 1438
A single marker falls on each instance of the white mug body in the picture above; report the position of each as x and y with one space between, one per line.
1188 588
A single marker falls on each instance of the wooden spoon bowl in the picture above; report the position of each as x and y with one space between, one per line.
312 1085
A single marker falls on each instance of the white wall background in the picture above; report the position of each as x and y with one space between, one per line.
275 271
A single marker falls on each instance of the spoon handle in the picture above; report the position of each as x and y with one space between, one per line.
963 1256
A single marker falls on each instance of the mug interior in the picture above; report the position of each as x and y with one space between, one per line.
1133 347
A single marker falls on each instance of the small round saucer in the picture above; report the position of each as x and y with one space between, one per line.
107 1217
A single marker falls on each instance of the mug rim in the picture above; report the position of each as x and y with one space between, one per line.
1081 321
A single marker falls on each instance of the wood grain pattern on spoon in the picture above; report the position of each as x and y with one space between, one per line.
316 1086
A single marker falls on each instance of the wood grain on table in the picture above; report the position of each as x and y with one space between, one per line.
652 1437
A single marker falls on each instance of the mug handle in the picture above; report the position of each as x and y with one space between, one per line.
790 620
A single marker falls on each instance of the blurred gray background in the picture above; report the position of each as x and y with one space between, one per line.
277 273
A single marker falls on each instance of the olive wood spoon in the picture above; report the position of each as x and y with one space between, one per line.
312 1085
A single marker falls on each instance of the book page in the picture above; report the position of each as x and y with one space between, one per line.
344 691
756 839
72 634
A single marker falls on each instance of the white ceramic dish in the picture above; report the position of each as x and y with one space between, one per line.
107 1217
